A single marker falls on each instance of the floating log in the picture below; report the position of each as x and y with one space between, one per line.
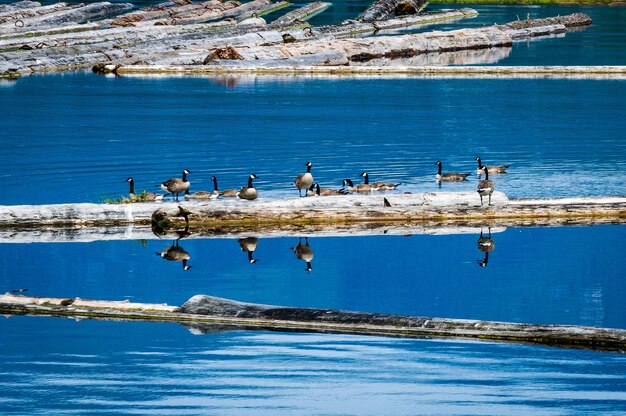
381 9
301 14
411 208
75 15
206 312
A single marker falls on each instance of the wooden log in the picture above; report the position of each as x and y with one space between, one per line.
151 14
75 15
205 312
301 14
31 12
382 9
416 208
20 5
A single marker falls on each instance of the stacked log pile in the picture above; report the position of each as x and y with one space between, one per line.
107 36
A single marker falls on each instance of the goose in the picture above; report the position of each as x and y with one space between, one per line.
380 186
485 245
485 187
449 177
362 187
145 196
204 194
228 193
249 245
175 186
315 190
248 192
304 252
492 169
304 180
175 253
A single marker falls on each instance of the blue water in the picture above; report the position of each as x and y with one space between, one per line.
565 275
53 366
77 137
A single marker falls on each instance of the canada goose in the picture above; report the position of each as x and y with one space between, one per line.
228 193
486 245
492 169
304 180
380 186
249 245
175 186
485 187
204 194
304 252
184 213
175 253
449 177
145 196
248 192
315 190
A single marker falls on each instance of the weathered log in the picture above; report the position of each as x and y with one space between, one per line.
570 20
19 6
381 9
171 11
301 14
205 312
75 15
31 12
416 208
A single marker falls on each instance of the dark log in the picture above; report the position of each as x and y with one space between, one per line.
382 9
205 313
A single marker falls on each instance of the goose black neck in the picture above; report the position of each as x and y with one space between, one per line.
132 187
439 171
480 165
308 168
250 182
250 259
215 184
184 176
367 179
486 174
317 189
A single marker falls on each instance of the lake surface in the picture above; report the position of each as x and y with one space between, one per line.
562 275
76 138
55 366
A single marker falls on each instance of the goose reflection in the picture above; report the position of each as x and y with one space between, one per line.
304 252
175 253
249 245
486 245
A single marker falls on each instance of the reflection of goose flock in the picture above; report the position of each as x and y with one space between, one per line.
305 182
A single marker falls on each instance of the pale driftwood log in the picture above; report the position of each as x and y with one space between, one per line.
269 212
151 14
204 313
12 16
301 14
381 9
75 15
18 6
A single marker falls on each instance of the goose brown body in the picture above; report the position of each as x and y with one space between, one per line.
486 187
176 186
145 196
492 168
249 192
304 180
449 177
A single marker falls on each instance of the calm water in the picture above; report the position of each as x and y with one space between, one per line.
77 137
526 278
61 367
